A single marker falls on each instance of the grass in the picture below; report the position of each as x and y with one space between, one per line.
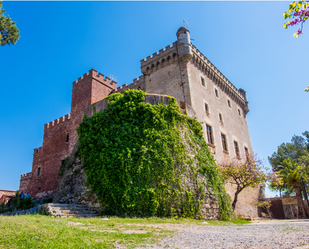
39 231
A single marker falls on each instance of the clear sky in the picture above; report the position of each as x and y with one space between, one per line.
60 41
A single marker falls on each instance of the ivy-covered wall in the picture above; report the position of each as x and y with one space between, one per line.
150 160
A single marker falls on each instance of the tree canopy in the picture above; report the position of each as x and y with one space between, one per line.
297 151
9 33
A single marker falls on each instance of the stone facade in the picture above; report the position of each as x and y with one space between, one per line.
181 71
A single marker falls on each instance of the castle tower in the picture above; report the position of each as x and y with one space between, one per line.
184 44
60 135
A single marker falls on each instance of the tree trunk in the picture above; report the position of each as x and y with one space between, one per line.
300 204
235 199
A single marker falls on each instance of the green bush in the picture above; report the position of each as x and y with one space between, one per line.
137 157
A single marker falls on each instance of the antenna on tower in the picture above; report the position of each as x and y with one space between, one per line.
113 78
185 23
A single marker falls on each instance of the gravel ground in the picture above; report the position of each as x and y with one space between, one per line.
268 235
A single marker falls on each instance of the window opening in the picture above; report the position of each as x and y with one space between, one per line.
68 138
224 144
236 148
203 82
220 118
38 173
229 103
206 108
217 93
246 152
239 113
209 134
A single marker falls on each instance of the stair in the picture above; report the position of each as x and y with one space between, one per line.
68 210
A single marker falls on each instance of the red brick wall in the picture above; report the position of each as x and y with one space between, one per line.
87 90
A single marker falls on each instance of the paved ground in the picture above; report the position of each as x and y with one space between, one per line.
281 234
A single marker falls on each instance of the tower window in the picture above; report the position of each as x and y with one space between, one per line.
246 152
217 93
209 134
236 148
224 144
67 140
239 112
229 103
207 108
203 82
220 118
38 172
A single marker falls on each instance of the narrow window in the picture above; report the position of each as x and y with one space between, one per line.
229 103
246 152
203 81
220 118
206 108
239 113
68 138
217 93
236 148
38 172
39 188
209 134
224 144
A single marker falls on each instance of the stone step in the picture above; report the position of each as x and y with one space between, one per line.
70 210
66 205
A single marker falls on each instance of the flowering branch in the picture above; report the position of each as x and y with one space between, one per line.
300 12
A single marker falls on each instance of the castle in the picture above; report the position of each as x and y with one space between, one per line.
181 71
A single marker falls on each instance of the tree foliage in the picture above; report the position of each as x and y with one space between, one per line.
243 174
149 160
298 151
9 33
290 172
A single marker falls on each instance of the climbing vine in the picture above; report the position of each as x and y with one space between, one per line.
149 160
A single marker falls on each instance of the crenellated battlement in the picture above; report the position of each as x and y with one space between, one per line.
159 59
38 150
25 176
138 83
57 121
201 62
93 74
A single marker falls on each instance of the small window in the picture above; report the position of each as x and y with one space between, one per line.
229 103
220 118
236 148
216 93
246 152
224 144
209 134
203 82
68 138
38 172
239 112
39 188
206 108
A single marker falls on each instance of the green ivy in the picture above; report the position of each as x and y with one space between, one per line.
149 160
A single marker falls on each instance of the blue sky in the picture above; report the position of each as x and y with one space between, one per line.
60 41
